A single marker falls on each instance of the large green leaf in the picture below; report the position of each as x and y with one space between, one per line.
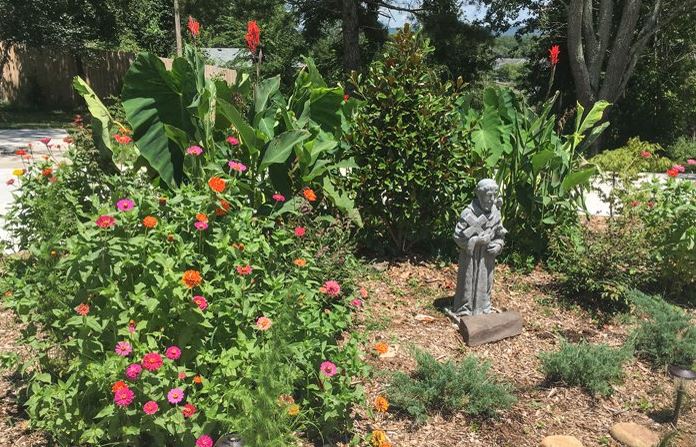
577 178
235 118
280 147
342 202
264 90
593 116
101 121
152 98
326 107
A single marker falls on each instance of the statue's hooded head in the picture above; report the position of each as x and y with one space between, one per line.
486 193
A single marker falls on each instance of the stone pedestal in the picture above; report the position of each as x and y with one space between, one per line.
481 329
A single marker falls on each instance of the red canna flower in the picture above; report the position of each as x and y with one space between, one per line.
193 26
554 52
122 139
253 36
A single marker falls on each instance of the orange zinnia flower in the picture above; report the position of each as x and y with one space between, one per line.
197 379
150 222
223 209
82 309
309 194
200 217
299 262
191 278
216 184
381 404
379 439
47 172
120 385
381 347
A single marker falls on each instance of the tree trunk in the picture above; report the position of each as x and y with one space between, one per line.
177 29
351 36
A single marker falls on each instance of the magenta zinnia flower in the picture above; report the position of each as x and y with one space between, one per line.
150 407
357 302
200 226
237 166
200 301
152 361
105 221
125 205
232 140
123 348
133 371
331 288
204 441
278 197
175 395
328 369
194 150
173 352
124 397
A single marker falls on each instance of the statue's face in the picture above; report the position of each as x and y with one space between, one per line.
486 198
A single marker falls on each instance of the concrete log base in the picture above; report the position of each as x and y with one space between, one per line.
481 329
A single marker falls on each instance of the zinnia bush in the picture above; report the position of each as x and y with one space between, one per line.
155 333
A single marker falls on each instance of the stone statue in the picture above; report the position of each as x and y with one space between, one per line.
479 234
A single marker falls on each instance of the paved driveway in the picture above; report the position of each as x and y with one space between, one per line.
11 140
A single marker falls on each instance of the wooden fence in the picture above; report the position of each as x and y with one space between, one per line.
38 77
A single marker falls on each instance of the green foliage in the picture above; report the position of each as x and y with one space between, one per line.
668 212
287 143
414 170
463 48
593 367
447 388
599 265
635 157
666 334
542 176
683 150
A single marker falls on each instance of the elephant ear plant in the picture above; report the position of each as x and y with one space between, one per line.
286 143
542 175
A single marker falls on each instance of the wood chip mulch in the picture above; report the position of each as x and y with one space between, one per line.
405 290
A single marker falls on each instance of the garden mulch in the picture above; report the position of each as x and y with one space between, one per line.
406 290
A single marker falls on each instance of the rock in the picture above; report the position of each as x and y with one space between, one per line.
634 435
480 329
381 266
561 441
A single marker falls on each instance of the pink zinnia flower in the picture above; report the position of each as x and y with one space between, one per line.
181 375
237 166
328 369
200 301
152 361
200 226
263 323
331 288
123 348
691 161
105 221
244 270
175 395
300 231
188 410
357 302
124 397
278 197
645 154
232 140
131 327
173 353
45 140
133 371
204 441
363 292
679 168
194 150
150 407
125 205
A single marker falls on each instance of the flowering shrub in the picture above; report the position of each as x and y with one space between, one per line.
668 211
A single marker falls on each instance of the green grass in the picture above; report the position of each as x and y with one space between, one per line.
11 118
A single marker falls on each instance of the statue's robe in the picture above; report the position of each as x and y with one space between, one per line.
476 265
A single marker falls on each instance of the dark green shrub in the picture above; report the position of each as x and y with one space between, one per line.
682 150
599 265
447 388
636 156
666 335
593 367
414 171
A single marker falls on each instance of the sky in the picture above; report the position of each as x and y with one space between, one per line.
397 19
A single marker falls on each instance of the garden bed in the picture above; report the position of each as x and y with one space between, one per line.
405 290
